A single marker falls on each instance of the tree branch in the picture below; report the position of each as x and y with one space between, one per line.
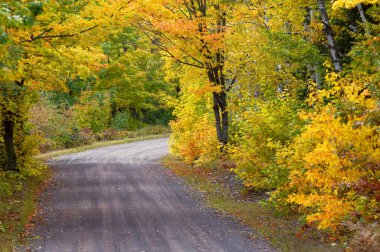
40 36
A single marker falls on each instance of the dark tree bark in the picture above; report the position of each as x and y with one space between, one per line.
307 20
8 125
220 106
221 116
214 66
329 36
216 74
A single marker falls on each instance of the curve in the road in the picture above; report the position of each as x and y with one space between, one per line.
119 198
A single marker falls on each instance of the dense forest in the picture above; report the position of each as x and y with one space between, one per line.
286 92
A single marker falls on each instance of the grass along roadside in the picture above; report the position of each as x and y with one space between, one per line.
284 232
95 145
18 205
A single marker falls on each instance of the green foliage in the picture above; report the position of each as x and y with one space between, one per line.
18 201
124 121
135 78
16 14
72 92
92 112
258 132
53 125
53 55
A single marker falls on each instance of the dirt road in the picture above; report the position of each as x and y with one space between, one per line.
119 198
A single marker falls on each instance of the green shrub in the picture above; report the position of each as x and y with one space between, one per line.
261 130
124 121
93 111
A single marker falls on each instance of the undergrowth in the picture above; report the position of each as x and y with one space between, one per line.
18 194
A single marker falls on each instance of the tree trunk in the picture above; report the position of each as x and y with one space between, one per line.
9 125
313 72
307 20
216 76
317 77
221 116
364 19
329 35
223 108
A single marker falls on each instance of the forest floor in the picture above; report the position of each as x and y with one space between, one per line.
119 198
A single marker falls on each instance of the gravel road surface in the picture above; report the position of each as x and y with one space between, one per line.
119 198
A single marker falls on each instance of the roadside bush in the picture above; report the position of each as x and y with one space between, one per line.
18 191
84 137
93 112
334 164
259 132
54 126
124 121
46 145
108 134
6 188
194 136
145 131
153 130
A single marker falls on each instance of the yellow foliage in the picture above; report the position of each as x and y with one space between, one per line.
334 163
194 134
194 140
352 3
92 113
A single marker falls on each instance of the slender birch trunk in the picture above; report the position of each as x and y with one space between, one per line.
329 36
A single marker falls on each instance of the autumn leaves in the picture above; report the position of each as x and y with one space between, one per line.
300 112
287 89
